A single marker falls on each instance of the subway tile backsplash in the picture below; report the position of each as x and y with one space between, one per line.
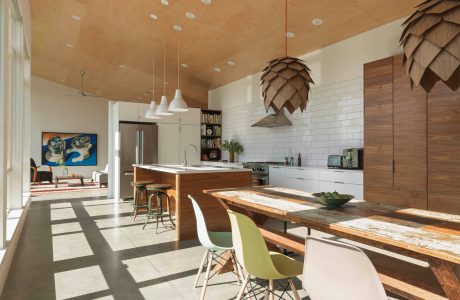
332 121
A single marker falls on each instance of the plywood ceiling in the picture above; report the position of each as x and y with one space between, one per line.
104 34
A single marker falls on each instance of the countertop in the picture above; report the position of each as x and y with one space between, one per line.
180 169
325 168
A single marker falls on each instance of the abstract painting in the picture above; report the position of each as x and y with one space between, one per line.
75 149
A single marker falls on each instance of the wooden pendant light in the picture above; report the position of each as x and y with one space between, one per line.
431 41
286 82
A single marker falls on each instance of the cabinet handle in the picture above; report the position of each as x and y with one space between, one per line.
300 178
339 182
300 169
338 171
275 167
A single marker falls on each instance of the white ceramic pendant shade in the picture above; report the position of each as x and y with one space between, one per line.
151 112
162 109
178 104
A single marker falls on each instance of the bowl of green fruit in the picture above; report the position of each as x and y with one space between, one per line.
332 200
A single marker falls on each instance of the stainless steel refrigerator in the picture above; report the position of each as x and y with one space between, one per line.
138 145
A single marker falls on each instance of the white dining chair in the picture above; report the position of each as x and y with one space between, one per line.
338 271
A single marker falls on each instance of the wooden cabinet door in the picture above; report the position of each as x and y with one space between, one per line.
410 140
378 124
444 149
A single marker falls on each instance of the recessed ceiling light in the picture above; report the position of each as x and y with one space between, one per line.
145 95
69 45
165 2
177 27
166 82
217 69
184 65
77 18
122 66
154 17
290 35
150 91
231 63
206 1
190 15
317 22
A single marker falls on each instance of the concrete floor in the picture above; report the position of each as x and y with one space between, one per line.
90 249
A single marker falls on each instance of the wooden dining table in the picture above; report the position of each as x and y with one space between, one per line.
424 235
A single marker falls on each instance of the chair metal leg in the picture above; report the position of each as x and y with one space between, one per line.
159 212
272 289
206 277
267 291
149 211
169 211
200 269
243 288
293 288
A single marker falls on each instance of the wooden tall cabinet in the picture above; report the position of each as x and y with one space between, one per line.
411 140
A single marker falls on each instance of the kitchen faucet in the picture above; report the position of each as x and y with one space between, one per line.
185 153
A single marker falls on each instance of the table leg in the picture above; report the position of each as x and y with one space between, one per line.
448 276
81 181
55 186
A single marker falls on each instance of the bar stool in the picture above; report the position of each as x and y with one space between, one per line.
158 190
140 196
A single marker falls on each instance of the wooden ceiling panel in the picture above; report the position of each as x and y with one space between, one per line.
111 33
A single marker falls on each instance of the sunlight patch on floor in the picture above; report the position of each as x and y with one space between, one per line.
79 282
62 214
65 228
70 246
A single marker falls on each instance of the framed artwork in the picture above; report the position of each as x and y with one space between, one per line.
75 149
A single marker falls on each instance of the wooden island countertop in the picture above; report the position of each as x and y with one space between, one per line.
192 181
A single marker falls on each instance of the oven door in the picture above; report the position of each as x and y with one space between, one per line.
259 179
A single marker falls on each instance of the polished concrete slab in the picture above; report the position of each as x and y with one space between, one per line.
90 249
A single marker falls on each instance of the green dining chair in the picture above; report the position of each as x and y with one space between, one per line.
253 255
214 242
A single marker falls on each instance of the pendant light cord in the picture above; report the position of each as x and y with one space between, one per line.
178 61
164 67
285 28
153 71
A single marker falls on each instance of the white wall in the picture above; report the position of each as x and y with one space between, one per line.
52 109
334 116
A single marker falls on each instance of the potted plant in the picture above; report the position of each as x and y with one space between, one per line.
233 147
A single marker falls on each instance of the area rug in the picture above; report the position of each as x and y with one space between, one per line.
64 186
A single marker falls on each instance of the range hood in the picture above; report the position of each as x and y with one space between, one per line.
273 120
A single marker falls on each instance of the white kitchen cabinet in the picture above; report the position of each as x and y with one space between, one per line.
168 143
276 176
340 187
190 134
315 180
302 184
190 117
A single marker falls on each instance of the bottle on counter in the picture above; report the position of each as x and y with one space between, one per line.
299 161
291 161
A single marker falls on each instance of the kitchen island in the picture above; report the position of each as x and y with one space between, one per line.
192 181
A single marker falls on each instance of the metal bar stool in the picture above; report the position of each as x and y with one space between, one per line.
140 196
158 190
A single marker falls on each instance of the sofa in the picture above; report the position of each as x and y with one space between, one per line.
101 176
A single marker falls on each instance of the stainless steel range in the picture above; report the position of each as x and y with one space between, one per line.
260 171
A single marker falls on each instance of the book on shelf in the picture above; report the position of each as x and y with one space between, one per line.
210 130
211 118
210 143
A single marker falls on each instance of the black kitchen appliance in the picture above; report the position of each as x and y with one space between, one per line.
334 161
260 171
352 158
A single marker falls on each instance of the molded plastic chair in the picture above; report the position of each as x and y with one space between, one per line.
338 271
213 242
252 253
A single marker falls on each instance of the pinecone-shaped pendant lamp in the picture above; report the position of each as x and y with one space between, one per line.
286 84
431 41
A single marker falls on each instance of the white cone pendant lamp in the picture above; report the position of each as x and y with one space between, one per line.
162 109
178 104
151 112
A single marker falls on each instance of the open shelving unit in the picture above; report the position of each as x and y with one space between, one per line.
211 135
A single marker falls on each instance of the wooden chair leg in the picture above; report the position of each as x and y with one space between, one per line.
235 266
267 291
206 277
243 288
294 289
200 269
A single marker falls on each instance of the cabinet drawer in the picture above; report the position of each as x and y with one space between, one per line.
341 176
302 173
306 185
343 188
277 176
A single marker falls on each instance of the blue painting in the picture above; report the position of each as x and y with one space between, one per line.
71 149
